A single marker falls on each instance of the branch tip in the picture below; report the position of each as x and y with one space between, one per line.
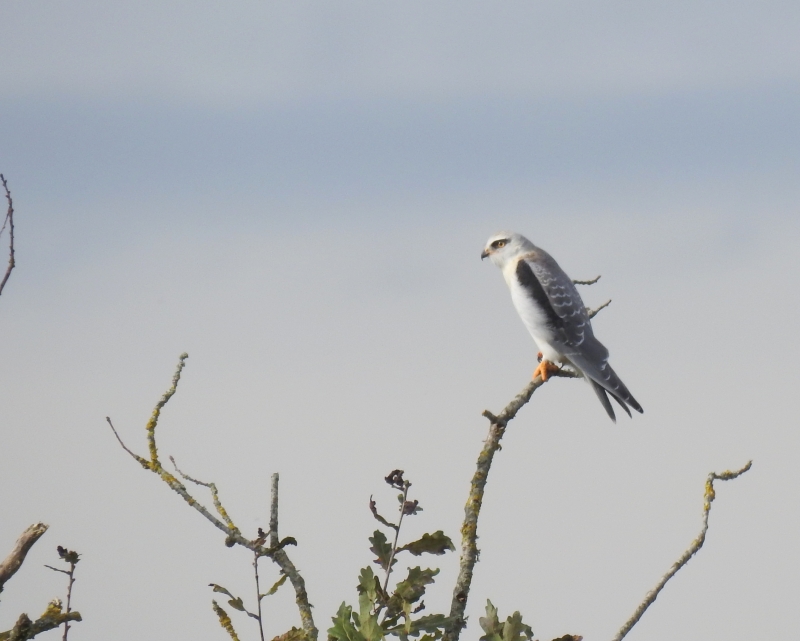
695 546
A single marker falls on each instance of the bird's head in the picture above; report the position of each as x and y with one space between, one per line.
504 246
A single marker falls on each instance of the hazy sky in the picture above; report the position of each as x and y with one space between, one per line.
297 194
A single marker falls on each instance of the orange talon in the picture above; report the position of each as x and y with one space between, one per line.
544 370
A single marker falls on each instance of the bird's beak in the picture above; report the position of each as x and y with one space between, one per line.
484 253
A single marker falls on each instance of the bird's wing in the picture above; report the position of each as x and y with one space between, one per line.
555 294
569 321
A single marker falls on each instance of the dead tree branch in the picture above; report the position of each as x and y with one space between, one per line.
586 282
709 497
52 618
9 221
13 561
225 524
469 529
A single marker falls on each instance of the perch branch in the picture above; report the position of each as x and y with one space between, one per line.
586 282
225 524
13 561
709 497
469 530
9 220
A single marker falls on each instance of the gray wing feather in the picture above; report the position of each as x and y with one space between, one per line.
574 332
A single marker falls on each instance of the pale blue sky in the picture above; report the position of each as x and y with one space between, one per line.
297 195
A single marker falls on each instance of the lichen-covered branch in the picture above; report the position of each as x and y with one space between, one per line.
8 221
650 597
13 561
273 510
52 618
234 536
469 529
586 282
287 567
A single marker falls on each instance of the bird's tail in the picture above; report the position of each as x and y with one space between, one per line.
605 381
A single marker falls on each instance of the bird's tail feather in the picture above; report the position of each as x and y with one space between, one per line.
603 396
606 380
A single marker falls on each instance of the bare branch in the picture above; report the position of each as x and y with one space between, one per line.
13 561
709 497
586 282
9 221
226 525
593 312
469 529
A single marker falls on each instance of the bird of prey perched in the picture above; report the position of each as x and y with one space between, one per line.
552 310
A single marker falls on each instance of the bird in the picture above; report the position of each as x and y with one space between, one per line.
553 312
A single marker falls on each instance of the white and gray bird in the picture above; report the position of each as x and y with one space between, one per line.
551 308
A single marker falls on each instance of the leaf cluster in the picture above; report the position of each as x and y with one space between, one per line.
382 613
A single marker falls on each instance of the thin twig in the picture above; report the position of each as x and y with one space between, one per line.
406 486
258 597
593 312
586 282
13 561
650 597
469 530
71 574
9 220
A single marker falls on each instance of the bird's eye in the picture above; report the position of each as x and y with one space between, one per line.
499 243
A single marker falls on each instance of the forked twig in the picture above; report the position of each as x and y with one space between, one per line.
650 597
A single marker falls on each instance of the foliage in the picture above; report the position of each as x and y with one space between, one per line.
380 613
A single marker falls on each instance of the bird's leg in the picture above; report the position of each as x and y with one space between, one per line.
544 370
539 357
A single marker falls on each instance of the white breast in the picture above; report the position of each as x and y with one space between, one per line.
533 317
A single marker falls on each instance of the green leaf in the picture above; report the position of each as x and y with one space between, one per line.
275 587
368 584
368 626
409 591
512 629
237 604
491 624
413 587
431 623
219 588
381 549
436 543
515 630
343 628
